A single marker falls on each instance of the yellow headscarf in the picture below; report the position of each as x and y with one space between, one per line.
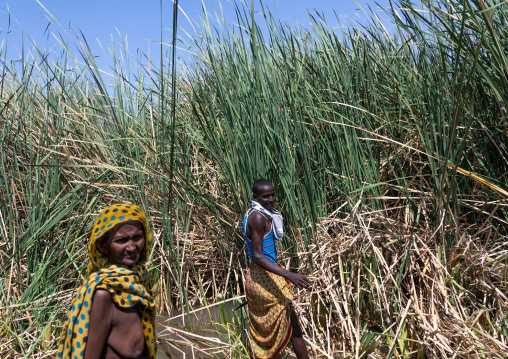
128 285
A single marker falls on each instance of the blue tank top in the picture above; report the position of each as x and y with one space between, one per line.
269 249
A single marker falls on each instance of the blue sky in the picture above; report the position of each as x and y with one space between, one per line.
140 21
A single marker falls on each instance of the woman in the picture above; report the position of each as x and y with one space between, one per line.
113 312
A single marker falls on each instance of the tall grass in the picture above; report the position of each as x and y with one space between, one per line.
386 142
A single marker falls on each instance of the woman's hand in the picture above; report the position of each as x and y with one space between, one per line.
299 280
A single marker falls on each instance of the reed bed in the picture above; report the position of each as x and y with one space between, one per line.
386 142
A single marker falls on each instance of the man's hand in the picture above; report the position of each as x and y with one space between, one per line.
299 280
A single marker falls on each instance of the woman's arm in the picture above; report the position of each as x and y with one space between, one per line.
256 226
101 317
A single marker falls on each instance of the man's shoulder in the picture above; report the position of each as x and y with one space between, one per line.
256 218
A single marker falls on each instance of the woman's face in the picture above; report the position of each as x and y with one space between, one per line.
125 243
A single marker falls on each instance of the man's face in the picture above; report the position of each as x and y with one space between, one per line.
125 244
265 197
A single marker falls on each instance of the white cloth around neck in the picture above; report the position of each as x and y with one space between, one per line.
273 216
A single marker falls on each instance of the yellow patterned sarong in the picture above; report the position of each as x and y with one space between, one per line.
128 285
269 301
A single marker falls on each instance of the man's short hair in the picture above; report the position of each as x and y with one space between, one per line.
260 183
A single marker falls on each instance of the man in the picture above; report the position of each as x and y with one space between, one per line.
272 319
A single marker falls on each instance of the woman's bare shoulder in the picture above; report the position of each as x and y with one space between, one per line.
102 299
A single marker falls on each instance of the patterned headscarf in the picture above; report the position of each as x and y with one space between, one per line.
128 285
106 220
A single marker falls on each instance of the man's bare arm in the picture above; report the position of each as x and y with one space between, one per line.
101 317
256 226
